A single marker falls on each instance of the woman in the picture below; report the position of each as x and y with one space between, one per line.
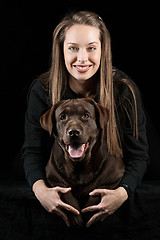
82 67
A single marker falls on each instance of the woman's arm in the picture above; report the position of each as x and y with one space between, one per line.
135 150
37 142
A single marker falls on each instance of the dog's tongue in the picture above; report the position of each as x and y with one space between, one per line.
76 152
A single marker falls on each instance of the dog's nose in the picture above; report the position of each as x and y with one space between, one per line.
74 132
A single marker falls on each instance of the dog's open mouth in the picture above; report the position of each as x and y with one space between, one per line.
77 151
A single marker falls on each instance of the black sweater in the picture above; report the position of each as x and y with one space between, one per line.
37 144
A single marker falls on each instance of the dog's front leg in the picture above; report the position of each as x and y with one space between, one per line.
75 220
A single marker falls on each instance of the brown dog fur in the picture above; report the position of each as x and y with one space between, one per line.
73 123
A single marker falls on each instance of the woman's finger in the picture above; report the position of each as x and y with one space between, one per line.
96 192
62 190
68 207
91 208
96 217
63 215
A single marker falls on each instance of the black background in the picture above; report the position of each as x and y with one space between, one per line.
26 34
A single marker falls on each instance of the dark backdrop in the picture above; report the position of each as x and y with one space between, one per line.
27 41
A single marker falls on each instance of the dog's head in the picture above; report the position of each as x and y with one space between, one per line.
76 124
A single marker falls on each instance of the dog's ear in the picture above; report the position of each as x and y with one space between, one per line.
47 119
102 113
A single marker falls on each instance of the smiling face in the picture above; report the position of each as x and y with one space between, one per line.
82 51
77 128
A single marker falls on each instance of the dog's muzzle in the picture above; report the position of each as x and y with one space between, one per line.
77 151
76 146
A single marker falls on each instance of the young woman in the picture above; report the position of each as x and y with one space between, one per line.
82 67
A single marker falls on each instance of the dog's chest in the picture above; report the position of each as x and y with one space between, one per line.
81 192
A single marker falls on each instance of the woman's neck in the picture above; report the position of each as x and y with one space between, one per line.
84 88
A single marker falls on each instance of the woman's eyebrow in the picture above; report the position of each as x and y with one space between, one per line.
78 44
72 43
93 43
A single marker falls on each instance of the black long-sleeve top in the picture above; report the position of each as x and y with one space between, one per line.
37 144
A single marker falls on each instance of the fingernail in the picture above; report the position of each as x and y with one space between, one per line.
87 225
68 225
91 193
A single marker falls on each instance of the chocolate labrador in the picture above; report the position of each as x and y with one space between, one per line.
79 157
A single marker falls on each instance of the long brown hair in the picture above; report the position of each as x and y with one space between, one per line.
58 75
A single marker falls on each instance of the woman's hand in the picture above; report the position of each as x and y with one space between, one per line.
111 200
51 201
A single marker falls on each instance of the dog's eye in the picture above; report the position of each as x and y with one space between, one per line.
63 117
85 116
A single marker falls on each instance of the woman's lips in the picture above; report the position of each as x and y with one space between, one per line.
82 68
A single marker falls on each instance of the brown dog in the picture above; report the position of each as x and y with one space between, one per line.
79 157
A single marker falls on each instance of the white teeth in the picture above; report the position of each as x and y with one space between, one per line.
82 68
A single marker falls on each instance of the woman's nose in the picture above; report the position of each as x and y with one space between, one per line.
82 55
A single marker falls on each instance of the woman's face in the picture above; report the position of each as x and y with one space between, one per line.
82 51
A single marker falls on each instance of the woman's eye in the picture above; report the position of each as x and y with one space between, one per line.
85 116
63 117
73 48
91 48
